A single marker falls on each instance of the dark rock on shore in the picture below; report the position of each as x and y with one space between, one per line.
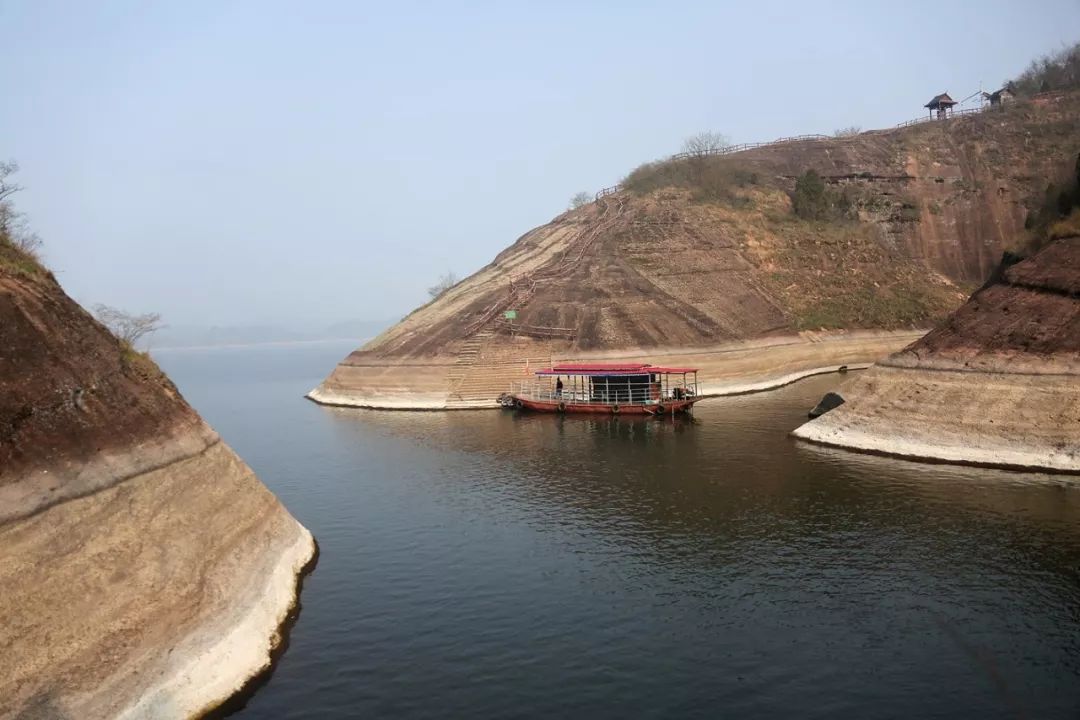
829 402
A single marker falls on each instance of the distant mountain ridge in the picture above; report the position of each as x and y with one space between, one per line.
180 336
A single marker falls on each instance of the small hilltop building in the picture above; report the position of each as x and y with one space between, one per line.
998 97
942 104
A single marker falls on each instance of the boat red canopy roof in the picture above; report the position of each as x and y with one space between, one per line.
594 369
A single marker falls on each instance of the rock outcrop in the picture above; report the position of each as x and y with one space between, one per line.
702 273
145 572
998 384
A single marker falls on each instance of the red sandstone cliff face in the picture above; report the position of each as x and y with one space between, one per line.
937 204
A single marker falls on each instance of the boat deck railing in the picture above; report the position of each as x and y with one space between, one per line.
610 394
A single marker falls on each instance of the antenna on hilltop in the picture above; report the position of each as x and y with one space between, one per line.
978 93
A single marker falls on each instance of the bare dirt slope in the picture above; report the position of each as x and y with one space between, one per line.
144 570
998 383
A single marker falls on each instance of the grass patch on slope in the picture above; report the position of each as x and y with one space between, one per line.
709 179
18 261
1069 227
840 275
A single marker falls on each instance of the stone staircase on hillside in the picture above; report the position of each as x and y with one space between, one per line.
466 358
486 369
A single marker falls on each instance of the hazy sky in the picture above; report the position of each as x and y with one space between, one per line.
306 163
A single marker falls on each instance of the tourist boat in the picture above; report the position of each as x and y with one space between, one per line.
612 388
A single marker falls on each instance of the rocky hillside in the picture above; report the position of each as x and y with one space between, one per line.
997 384
757 266
144 570
708 250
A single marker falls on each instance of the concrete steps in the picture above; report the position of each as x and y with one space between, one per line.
485 369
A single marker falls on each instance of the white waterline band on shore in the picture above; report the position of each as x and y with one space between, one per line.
730 389
1008 458
323 397
234 654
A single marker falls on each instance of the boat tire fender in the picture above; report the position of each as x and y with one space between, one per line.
615 409
561 407
660 409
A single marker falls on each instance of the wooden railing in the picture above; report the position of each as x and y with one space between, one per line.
519 294
723 150
538 331
612 392
950 116
742 147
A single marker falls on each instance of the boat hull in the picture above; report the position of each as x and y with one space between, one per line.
553 406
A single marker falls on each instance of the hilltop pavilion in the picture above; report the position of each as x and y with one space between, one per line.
942 104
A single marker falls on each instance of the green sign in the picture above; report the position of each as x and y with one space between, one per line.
510 314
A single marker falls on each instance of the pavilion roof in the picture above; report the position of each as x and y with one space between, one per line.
942 100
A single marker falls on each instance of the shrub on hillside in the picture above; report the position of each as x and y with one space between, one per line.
810 199
129 329
19 246
814 200
580 199
708 178
446 282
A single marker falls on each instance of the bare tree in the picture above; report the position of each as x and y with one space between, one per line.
446 282
13 227
580 199
8 188
847 132
705 143
125 326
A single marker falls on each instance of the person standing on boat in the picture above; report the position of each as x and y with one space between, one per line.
558 387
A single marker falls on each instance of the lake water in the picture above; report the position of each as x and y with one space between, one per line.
487 564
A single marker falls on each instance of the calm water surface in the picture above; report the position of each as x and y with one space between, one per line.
486 564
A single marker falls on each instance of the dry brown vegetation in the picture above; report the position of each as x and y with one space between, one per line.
1059 214
708 178
446 281
1068 227
19 246
1058 70
580 199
